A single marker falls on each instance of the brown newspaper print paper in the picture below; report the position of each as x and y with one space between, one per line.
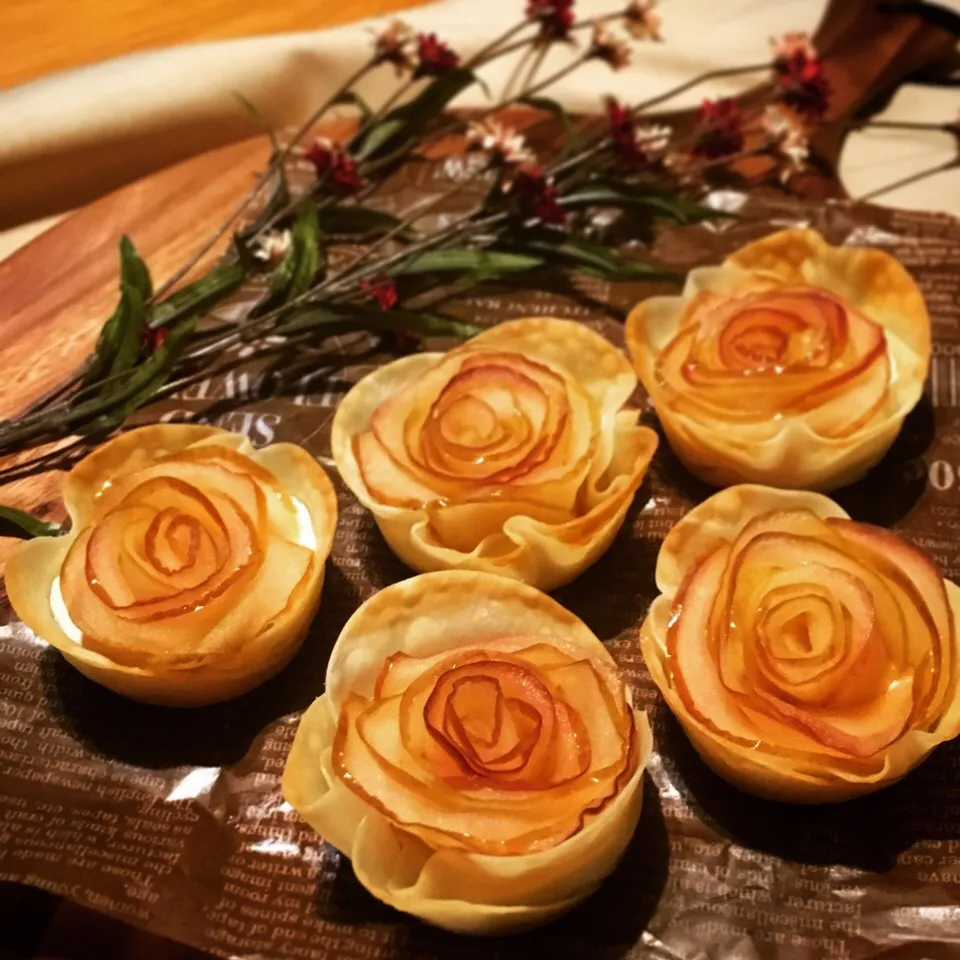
173 820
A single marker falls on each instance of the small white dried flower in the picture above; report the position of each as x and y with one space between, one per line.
653 138
785 128
394 44
504 143
641 22
683 166
786 47
607 47
273 246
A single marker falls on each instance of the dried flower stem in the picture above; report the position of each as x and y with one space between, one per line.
535 66
605 141
513 79
906 125
695 82
275 164
482 55
912 178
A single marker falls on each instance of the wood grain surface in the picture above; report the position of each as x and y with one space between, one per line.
57 290
38 37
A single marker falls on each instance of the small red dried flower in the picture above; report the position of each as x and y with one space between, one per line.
536 196
392 45
382 290
434 56
799 70
338 167
154 338
632 144
555 17
795 58
623 132
720 129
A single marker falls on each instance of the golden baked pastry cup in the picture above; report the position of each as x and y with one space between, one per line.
803 770
505 528
196 666
789 451
445 882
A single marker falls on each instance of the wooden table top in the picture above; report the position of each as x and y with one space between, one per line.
43 36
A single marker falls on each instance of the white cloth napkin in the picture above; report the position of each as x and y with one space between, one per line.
71 137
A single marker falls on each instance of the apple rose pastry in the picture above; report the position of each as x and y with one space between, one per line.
794 363
510 454
475 755
192 568
808 657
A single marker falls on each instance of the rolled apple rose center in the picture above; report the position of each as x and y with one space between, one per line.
173 541
495 718
469 422
167 547
759 355
802 639
487 411
790 333
758 346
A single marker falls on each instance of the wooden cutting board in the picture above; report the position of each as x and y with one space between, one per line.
56 291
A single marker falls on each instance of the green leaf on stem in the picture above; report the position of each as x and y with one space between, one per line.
482 263
305 318
133 270
408 120
661 204
356 220
294 276
555 109
379 135
350 98
331 321
120 338
199 297
143 382
25 526
597 260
